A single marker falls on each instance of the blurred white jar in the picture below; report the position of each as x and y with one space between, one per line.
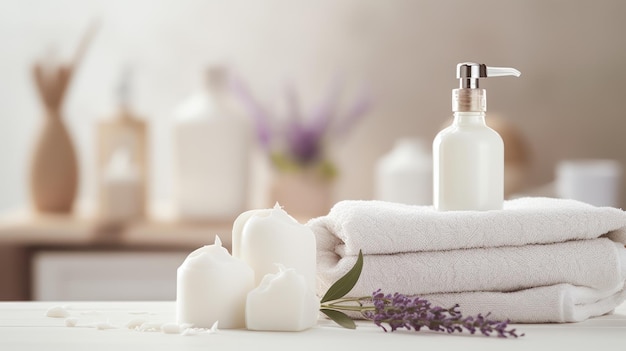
211 151
594 181
405 174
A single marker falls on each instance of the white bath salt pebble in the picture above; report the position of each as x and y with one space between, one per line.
105 326
135 323
170 328
57 312
150 327
71 322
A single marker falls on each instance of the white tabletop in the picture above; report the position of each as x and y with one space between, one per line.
24 326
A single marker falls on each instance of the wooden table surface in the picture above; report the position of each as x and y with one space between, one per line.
24 326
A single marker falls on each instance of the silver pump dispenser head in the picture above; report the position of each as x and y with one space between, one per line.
469 97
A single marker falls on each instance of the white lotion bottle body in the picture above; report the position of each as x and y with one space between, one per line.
468 165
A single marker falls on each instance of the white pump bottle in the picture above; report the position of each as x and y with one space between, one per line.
468 156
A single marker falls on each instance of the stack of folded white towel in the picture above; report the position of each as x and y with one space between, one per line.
537 260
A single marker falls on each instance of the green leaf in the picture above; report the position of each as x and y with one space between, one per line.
345 283
340 318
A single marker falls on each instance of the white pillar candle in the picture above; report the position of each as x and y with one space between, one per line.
238 225
212 286
283 302
264 238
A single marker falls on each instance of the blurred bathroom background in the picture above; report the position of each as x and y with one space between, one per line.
567 104
401 53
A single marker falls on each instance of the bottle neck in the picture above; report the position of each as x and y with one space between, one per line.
469 118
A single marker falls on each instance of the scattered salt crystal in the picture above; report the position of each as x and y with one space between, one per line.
135 323
71 322
105 326
213 328
150 327
189 332
57 312
170 328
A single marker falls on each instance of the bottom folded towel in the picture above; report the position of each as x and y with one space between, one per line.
560 303
556 303
560 282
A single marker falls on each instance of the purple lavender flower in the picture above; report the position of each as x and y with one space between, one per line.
399 311
258 113
304 135
304 145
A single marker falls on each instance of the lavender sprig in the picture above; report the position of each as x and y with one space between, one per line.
399 311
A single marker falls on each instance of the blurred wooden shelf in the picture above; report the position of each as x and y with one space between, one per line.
25 228
24 234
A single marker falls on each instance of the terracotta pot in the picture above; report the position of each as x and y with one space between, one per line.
303 194
53 169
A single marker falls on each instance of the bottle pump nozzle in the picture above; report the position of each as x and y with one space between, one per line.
468 73
469 97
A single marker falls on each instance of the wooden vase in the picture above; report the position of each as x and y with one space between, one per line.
54 168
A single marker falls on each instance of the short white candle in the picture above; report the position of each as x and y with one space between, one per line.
283 302
212 285
264 238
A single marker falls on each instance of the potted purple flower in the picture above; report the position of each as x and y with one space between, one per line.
296 143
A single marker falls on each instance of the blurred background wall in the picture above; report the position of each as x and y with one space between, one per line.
567 104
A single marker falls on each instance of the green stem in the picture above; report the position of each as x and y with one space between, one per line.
340 304
348 308
351 299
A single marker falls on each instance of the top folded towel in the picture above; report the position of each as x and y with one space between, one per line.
378 227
